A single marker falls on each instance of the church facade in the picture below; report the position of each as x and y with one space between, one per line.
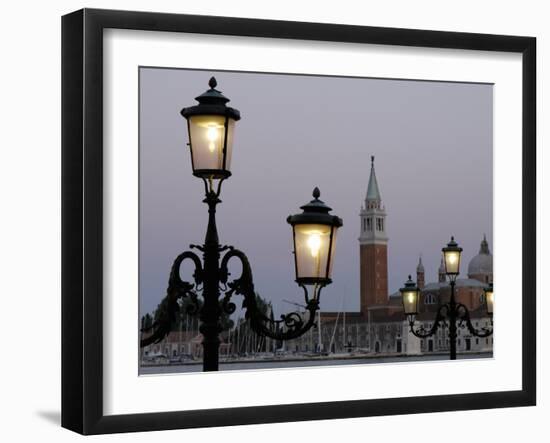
380 326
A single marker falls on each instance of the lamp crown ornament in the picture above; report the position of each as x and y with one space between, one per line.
316 211
212 102
409 284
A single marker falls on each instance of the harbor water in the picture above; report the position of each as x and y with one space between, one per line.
297 363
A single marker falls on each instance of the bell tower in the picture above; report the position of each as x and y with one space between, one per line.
420 280
373 248
442 276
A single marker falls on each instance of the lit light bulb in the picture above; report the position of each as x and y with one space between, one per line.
452 258
411 298
212 136
314 244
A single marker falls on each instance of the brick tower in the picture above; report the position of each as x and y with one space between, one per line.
442 276
373 248
420 280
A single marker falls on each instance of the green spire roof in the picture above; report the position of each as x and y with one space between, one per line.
373 193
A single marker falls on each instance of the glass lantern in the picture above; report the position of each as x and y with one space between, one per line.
211 127
451 257
314 233
410 295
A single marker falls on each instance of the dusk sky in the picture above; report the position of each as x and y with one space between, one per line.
433 147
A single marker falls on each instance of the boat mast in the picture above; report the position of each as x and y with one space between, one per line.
336 324
344 336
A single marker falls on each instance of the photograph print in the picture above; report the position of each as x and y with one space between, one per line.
298 220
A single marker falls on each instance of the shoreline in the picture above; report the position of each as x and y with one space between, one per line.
327 358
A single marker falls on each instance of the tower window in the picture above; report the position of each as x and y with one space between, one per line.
430 299
379 224
369 224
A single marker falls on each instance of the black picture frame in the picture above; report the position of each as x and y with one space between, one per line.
82 215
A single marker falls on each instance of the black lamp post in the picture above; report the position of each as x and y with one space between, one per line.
211 125
453 313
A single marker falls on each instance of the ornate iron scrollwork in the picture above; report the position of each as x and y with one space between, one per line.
177 289
439 321
464 315
289 326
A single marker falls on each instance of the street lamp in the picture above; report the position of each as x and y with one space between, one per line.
211 125
451 258
411 298
452 314
314 235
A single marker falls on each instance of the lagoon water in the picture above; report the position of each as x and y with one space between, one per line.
255 364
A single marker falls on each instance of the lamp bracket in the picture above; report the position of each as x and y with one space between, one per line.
464 315
177 290
289 326
445 314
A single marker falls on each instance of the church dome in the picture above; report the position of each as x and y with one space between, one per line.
482 263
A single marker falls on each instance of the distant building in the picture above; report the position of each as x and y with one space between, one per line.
187 345
380 326
174 345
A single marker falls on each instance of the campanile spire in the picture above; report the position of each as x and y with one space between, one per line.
373 199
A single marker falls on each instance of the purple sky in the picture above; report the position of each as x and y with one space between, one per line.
433 148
